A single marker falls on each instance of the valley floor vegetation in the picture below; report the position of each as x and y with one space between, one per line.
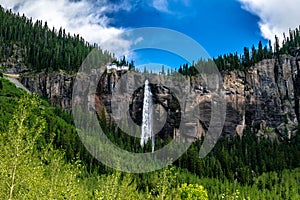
41 157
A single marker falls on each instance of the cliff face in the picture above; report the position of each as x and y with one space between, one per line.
271 88
265 97
57 87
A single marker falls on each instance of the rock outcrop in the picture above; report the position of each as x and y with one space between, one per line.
56 86
265 97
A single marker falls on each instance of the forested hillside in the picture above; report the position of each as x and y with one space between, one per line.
38 46
39 140
42 157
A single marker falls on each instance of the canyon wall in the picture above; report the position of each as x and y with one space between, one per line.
265 97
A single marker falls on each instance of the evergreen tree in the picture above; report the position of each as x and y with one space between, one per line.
180 70
260 54
246 58
163 70
254 57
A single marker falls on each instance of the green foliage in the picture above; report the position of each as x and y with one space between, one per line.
1 76
290 43
280 186
33 170
117 187
244 61
193 192
164 187
39 47
236 165
242 159
234 61
250 58
27 172
8 95
22 133
9 89
234 196
188 70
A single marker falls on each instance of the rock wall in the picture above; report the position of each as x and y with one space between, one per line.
270 101
57 87
265 97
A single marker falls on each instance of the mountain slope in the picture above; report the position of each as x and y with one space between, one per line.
26 45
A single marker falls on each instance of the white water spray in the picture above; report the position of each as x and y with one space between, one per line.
147 131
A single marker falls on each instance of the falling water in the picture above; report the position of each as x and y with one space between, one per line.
147 131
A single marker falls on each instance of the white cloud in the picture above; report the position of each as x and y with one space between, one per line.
276 16
80 17
161 5
176 8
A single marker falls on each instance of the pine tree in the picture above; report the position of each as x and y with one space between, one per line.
260 54
246 58
163 70
254 57
180 70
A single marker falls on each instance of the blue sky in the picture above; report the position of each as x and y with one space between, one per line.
220 26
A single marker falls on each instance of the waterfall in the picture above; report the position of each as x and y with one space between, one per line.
147 131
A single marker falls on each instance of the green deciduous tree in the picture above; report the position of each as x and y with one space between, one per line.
17 148
193 192
28 171
116 187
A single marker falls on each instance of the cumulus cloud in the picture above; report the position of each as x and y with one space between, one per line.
276 16
78 17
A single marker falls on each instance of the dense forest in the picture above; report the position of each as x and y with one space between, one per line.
42 157
39 46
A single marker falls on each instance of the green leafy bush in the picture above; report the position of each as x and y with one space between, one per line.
193 192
